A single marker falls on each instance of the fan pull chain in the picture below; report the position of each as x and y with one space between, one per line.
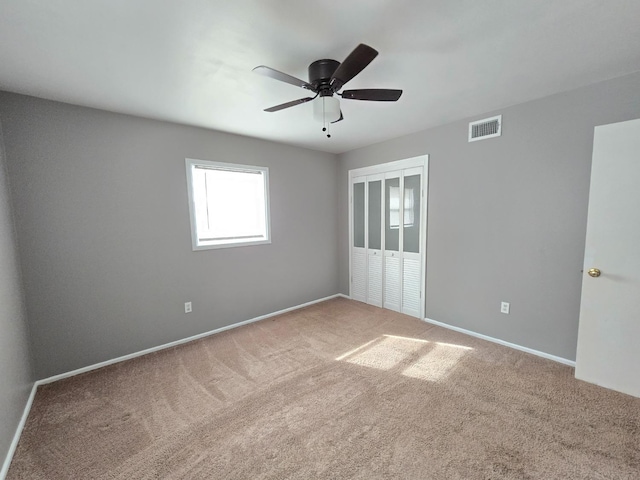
324 118
325 125
327 129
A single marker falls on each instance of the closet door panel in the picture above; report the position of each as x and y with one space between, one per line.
411 214
392 256
374 240
358 214
411 286
392 282
392 214
412 239
359 276
374 213
374 293
358 239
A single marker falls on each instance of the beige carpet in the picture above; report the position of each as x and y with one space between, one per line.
336 390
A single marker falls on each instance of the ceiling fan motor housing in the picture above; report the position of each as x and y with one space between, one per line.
320 73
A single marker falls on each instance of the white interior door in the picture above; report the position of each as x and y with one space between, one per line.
609 333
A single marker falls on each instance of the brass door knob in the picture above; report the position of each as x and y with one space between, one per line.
594 272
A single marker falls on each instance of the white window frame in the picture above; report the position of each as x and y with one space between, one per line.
198 244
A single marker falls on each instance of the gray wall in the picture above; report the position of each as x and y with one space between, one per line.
104 239
15 371
103 231
507 216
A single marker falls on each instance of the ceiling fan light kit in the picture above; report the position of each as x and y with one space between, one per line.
326 109
326 79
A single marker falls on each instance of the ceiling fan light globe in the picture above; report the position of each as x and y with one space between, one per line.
326 109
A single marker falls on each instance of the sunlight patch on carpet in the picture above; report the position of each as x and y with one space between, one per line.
359 349
436 364
420 358
386 352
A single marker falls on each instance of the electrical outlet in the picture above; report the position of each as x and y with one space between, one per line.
187 307
504 307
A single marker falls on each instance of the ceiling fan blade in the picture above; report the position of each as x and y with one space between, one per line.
357 60
374 94
283 77
289 104
341 117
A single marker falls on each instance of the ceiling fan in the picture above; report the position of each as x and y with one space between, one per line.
326 78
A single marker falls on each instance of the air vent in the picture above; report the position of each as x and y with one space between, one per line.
487 128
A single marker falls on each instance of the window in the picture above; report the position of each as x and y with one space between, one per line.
229 204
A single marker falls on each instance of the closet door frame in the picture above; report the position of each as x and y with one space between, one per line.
414 162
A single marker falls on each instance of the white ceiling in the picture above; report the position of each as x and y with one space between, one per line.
190 61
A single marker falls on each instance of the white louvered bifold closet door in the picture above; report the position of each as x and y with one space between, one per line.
392 252
359 276
374 293
392 282
374 240
388 238
411 285
358 250
412 242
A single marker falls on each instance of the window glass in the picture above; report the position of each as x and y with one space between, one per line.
375 213
358 215
411 224
392 214
229 204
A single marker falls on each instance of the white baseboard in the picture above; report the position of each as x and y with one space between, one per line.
342 295
548 356
177 342
16 436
